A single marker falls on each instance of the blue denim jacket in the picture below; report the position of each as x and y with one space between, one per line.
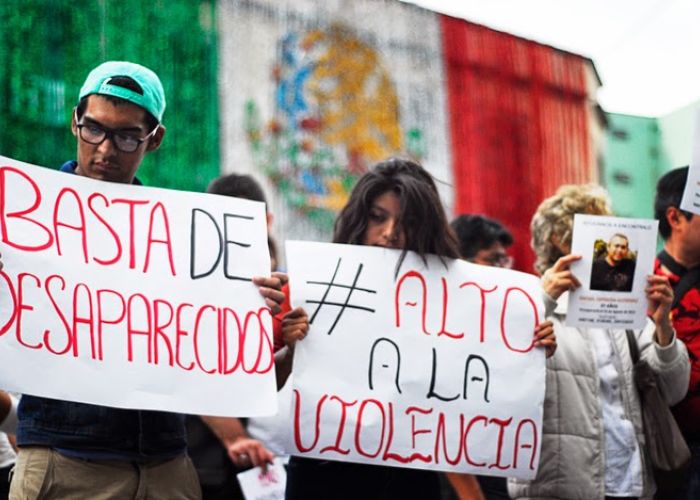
99 431
113 432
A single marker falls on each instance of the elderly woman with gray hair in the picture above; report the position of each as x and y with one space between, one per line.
593 444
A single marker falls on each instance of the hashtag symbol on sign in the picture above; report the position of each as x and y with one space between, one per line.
342 305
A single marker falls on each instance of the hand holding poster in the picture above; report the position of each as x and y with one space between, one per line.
616 256
431 368
691 194
133 297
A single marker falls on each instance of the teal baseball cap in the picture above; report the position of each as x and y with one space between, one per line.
152 99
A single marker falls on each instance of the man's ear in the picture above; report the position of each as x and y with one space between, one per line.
673 217
155 141
270 218
73 124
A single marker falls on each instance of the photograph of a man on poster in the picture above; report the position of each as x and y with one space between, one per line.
613 264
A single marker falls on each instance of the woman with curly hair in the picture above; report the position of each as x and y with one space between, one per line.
592 438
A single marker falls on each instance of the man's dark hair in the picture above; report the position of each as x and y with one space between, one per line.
421 218
125 82
238 186
477 232
669 192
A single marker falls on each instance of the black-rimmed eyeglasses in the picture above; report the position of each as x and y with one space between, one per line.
96 134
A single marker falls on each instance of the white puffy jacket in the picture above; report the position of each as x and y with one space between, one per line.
572 463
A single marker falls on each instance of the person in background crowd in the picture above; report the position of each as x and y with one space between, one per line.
271 431
679 261
8 424
220 447
394 205
77 450
482 240
592 437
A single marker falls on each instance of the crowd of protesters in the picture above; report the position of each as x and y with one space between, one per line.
593 446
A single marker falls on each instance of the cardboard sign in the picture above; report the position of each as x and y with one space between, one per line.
691 193
132 297
617 255
425 366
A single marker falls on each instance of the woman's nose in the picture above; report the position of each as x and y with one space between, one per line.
389 230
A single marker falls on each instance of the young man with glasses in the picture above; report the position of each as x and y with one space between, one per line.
117 121
76 450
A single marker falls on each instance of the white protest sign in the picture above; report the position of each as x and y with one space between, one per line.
691 193
616 256
259 485
132 297
433 368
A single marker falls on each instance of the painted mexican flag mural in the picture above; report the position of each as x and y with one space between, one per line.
323 90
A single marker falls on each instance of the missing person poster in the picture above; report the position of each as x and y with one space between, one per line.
691 194
616 256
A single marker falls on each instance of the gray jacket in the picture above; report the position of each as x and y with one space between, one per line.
572 458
